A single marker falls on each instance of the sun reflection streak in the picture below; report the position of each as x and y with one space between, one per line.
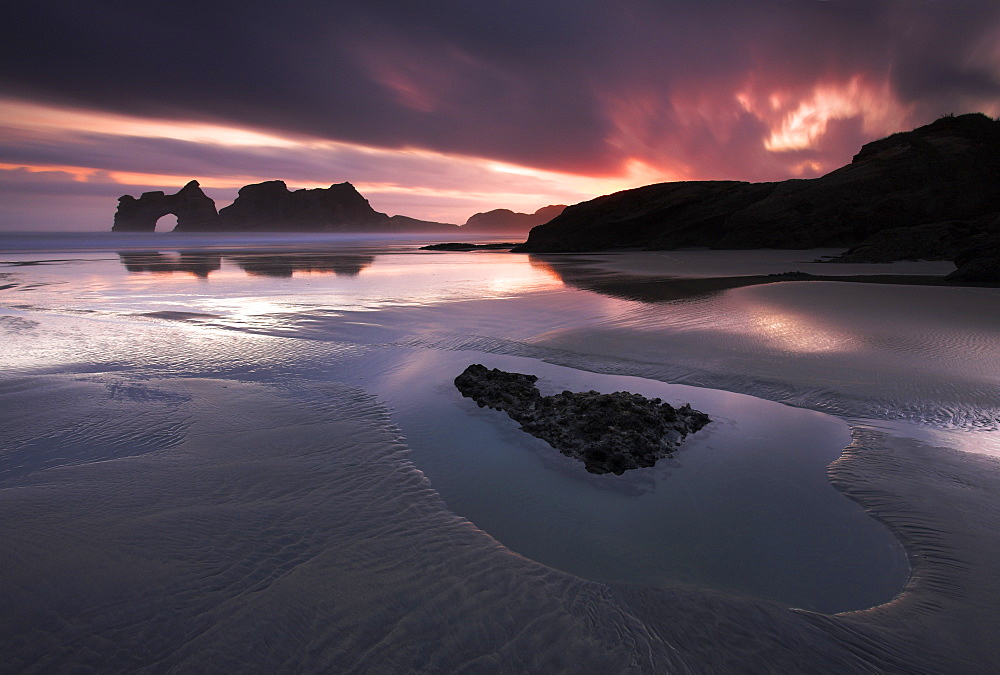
223 295
793 332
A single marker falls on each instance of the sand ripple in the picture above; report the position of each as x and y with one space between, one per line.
295 535
209 496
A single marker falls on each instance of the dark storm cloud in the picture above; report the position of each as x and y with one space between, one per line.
563 85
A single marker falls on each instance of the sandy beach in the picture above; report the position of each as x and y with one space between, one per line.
240 471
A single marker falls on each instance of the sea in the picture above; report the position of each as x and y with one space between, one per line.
247 452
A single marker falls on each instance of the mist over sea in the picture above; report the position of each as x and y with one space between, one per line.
246 452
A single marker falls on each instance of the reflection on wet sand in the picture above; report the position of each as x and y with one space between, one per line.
268 264
195 263
284 265
198 473
582 274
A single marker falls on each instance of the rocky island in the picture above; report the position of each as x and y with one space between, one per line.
266 207
609 433
930 193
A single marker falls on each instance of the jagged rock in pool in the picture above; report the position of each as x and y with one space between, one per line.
609 433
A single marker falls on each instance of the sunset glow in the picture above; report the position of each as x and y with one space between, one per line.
33 117
440 117
517 187
803 122
394 336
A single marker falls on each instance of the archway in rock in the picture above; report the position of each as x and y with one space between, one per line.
194 210
166 223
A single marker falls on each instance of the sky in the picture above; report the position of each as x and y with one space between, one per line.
441 109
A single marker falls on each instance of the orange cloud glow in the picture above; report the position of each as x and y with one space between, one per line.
77 173
425 190
798 122
41 118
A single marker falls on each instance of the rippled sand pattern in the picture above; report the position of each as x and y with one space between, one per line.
192 485
255 543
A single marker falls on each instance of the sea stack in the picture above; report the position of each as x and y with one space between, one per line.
194 210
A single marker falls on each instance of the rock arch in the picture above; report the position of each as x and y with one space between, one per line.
194 210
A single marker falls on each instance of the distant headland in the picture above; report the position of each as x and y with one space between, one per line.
511 222
271 207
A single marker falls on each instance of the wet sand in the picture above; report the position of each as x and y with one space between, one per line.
661 277
108 565
248 503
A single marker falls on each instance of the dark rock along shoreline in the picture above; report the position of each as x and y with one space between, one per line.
464 246
609 433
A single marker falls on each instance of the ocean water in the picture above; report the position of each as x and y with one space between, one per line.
222 451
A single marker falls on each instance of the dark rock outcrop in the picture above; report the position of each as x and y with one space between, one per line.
272 207
505 221
931 241
194 210
266 207
946 171
609 433
980 262
978 267
462 246
974 247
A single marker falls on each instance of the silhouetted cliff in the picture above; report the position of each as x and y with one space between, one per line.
945 171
